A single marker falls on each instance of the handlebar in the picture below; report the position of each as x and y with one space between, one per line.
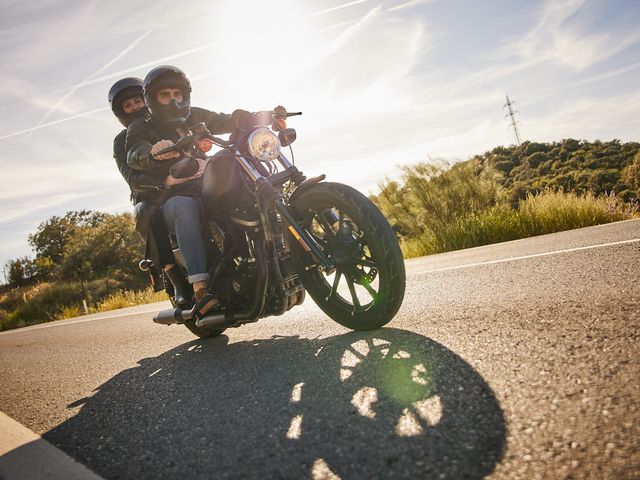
182 144
189 140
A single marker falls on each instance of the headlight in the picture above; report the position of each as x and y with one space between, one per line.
264 144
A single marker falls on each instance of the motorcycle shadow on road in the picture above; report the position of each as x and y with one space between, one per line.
382 404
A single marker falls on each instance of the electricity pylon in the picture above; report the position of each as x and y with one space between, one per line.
512 115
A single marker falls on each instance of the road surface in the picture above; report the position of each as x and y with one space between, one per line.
515 360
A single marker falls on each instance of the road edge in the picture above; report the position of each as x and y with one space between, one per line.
25 454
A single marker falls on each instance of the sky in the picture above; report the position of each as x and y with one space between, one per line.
381 83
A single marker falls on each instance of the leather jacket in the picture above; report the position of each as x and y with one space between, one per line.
144 186
143 133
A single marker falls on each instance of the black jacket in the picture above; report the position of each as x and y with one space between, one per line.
144 186
143 133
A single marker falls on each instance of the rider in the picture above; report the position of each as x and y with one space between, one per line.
167 92
127 104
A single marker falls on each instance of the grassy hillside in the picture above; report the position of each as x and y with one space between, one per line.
570 165
512 192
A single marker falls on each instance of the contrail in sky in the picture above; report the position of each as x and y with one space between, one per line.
55 122
120 73
101 69
339 7
93 79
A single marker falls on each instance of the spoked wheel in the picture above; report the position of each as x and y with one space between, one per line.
366 288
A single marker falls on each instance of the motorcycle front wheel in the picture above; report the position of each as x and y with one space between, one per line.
366 288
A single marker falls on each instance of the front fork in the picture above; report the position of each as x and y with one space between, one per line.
268 196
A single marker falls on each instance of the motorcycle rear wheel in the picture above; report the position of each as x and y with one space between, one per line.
202 332
366 289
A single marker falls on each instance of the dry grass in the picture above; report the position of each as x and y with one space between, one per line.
45 302
547 212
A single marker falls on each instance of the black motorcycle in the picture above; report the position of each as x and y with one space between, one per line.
285 235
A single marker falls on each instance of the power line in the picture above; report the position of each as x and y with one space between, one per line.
512 115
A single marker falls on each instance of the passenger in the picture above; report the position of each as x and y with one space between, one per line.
127 103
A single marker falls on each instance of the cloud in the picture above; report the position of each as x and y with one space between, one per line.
560 37
344 37
588 117
104 67
26 91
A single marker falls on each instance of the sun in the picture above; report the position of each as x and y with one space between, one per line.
259 46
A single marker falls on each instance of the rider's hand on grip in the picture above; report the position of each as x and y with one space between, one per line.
241 118
279 119
162 144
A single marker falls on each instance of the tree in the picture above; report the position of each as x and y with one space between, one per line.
19 271
52 235
110 248
632 173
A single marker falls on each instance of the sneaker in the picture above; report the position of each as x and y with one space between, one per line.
205 303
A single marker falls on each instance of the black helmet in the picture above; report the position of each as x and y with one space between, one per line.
120 91
167 77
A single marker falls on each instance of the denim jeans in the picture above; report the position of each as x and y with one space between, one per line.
182 216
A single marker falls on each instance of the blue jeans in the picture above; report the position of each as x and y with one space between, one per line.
182 216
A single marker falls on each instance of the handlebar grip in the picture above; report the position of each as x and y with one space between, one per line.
170 149
181 145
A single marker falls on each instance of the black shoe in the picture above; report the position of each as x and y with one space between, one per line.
181 288
205 304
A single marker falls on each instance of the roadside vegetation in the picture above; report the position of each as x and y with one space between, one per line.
83 255
46 301
511 193
504 194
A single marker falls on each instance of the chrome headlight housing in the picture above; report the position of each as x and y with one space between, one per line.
264 144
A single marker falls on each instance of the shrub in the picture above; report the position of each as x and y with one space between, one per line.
546 212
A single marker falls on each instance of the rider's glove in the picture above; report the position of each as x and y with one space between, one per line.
241 118
279 119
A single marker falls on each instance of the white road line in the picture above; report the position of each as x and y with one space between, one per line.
24 454
524 257
62 323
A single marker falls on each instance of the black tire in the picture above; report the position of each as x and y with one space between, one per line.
363 246
203 332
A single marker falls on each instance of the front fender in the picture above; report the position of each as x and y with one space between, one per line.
309 182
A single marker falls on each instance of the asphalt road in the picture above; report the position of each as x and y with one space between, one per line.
517 360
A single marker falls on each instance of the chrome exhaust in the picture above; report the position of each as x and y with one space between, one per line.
217 320
172 315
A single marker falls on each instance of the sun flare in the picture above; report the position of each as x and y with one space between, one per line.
259 42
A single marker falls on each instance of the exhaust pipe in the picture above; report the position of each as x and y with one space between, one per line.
219 320
172 315
175 315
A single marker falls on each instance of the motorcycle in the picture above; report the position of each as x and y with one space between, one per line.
286 235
